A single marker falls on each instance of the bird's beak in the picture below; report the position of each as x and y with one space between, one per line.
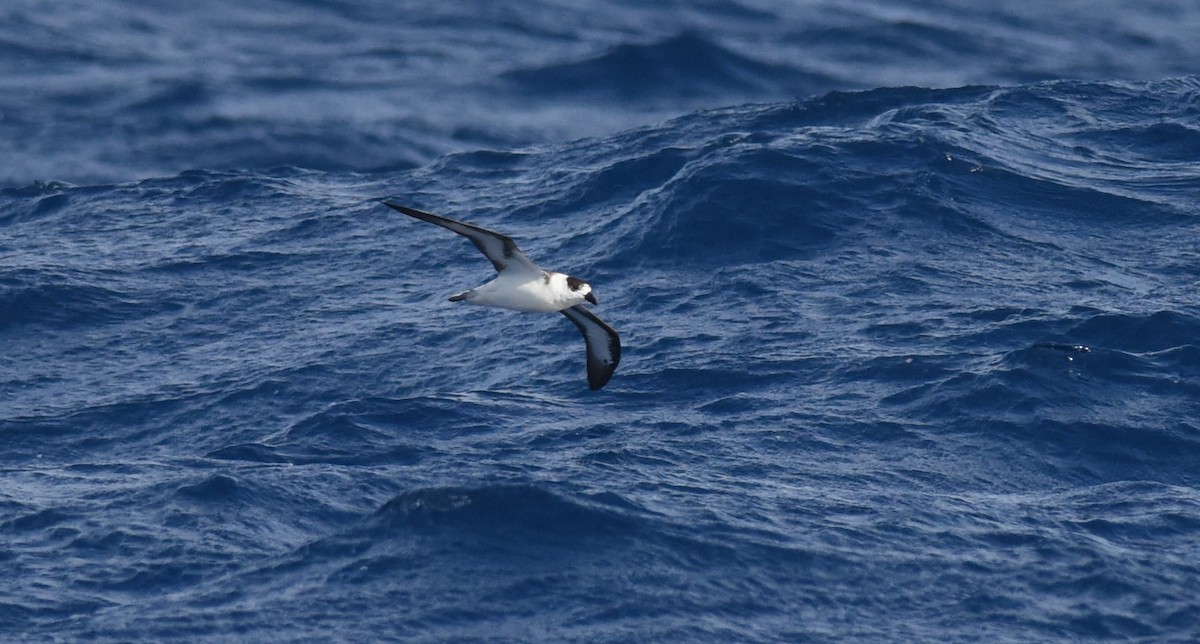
591 298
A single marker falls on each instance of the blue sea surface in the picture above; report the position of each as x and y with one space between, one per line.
907 292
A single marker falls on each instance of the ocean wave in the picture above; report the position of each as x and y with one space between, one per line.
511 512
687 65
892 357
56 299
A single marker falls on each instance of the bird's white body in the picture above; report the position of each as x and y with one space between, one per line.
543 292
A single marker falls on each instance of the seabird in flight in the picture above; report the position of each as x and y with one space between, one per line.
522 286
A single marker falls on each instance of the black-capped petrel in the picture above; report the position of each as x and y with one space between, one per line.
522 286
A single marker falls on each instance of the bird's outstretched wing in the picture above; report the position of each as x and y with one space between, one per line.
501 250
603 345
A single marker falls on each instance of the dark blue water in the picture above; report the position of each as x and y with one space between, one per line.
907 292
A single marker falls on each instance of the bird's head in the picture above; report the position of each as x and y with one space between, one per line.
579 286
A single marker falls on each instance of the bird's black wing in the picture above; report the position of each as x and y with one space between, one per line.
501 250
603 345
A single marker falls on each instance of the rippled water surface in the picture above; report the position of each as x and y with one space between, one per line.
907 293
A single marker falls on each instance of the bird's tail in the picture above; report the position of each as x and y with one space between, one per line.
465 295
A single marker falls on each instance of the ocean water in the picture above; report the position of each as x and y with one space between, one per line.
907 293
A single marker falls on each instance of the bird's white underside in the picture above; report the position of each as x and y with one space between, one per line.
525 291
